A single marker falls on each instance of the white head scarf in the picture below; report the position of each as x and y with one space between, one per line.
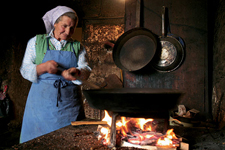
52 15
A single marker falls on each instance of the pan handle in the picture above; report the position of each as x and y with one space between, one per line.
163 22
138 14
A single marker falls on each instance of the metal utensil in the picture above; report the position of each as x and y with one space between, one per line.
172 52
133 99
85 82
136 47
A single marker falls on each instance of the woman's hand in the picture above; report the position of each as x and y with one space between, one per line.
71 74
49 66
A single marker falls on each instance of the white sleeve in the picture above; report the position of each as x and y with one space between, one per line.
83 65
28 67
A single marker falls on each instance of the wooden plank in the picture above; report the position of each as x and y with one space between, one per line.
78 123
148 147
184 146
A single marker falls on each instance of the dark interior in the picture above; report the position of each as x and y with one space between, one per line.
200 76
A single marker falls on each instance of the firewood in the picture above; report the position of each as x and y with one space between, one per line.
184 146
77 123
148 147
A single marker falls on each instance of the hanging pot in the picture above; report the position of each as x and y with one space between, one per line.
136 47
171 55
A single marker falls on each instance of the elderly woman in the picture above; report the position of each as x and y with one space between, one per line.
53 100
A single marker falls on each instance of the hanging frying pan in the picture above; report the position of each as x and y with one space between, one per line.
136 47
171 55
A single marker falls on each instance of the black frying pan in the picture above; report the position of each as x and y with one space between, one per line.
171 54
136 47
133 99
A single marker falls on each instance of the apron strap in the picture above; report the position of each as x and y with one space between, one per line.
47 44
75 51
59 84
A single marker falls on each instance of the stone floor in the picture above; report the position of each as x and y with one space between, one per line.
9 135
82 137
202 138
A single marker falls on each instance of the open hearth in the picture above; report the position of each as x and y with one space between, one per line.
137 132
130 102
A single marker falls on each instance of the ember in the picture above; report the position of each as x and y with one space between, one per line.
138 131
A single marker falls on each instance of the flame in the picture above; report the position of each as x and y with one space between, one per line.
105 135
125 126
142 121
105 131
139 123
170 134
107 118
149 136
166 140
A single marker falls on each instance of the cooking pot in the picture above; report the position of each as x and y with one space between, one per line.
136 47
171 55
133 99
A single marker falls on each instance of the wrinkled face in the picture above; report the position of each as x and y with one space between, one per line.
64 28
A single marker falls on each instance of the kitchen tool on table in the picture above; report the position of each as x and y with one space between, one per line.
135 48
172 52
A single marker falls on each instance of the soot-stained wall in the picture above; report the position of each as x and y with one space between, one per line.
189 20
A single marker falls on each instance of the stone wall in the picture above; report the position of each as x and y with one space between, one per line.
100 57
101 61
18 87
218 98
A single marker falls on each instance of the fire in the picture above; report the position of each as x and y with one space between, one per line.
142 121
170 134
166 140
136 131
106 133
107 118
122 126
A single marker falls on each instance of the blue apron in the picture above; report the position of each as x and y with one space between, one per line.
53 102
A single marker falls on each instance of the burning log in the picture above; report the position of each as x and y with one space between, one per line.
146 138
148 147
182 146
118 138
138 132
